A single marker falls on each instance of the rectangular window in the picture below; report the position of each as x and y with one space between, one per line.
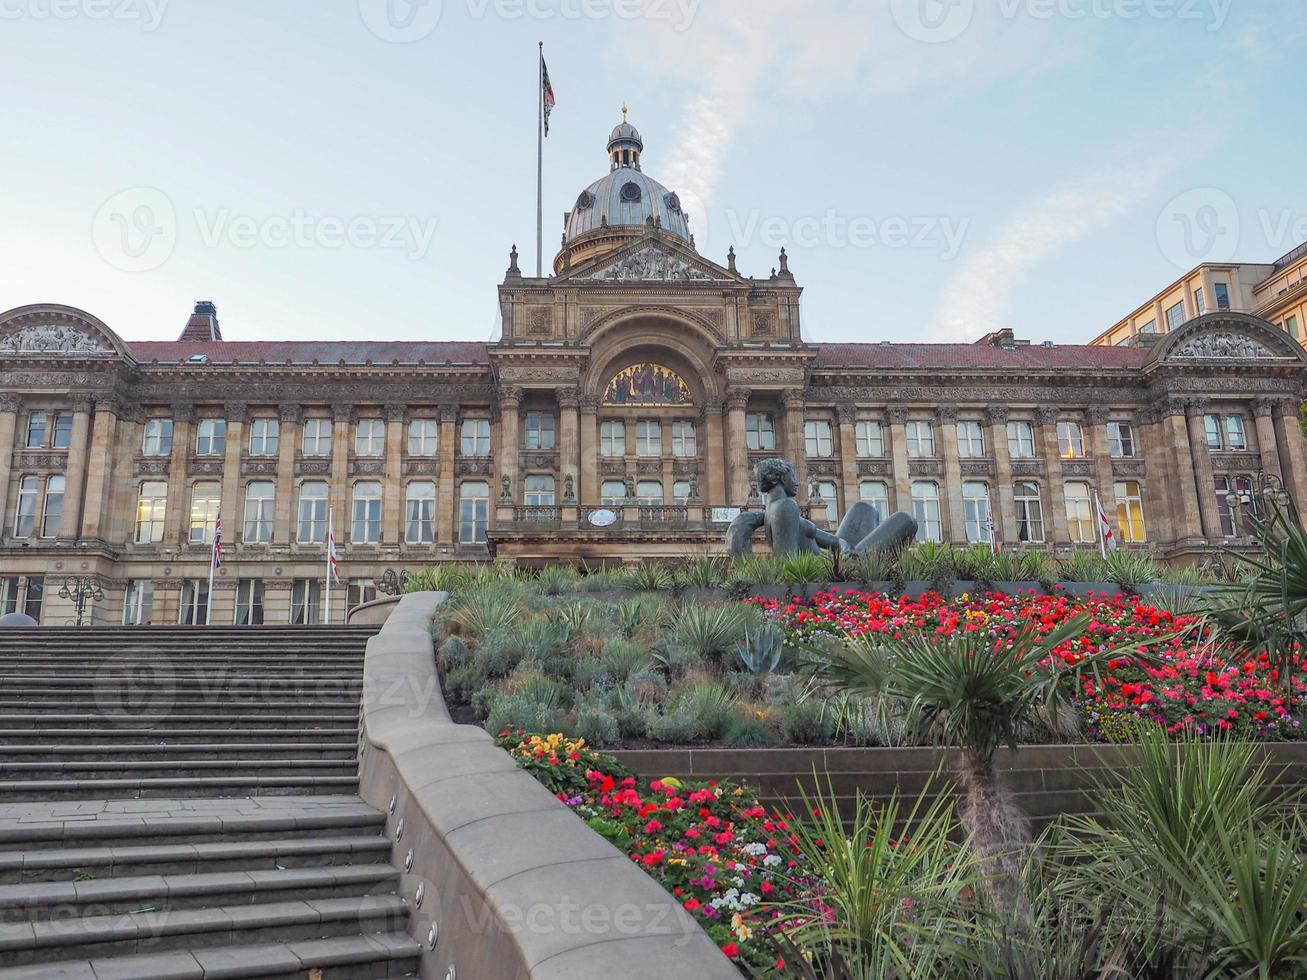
260 503
210 437
1130 512
249 602
62 436
10 595
475 440
370 437
265 434
1120 440
1222 295
876 493
975 512
206 498
1212 431
317 437
921 440
195 603
1030 512
682 490
1079 513
29 490
1291 326
870 438
420 513
150 508
1070 440
685 441
34 596
925 508
648 438
473 513
649 493
424 437
361 590
612 438
53 506
306 602
365 525
540 430
1148 328
1242 488
538 491
1236 439
1021 440
138 604
1175 316
311 522
759 432
971 439
612 493
1200 301
817 438
37 425
158 438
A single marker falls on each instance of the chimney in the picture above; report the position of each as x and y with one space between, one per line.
203 324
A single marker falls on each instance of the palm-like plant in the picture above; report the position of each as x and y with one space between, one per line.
975 692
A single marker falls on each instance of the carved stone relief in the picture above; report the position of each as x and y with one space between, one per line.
650 264
1224 345
51 339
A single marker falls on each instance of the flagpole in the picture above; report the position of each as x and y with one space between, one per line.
326 594
208 604
1098 522
540 166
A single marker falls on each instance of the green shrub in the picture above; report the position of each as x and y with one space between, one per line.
713 704
454 653
703 572
761 649
488 609
875 566
648 577
558 579
647 684
496 655
462 683
928 561
977 564
749 732
806 723
1033 565
595 582
1082 566
677 725
590 673
1129 570
630 714
757 570
805 567
622 658
514 712
710 632
596 726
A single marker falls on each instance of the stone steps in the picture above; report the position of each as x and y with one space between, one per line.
41 720
346 734
342 750
164 787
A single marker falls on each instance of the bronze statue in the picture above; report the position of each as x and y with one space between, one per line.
789 532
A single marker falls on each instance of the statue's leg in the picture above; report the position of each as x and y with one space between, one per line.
896 532
740 534
859 520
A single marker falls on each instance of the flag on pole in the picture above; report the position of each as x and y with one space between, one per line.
993 534
332 562
217 542
1106 536
547 100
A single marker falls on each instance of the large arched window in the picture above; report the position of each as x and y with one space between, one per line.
646 384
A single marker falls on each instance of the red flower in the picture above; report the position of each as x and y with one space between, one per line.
731 950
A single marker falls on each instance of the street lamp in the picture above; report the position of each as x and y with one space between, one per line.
82 591
1264 497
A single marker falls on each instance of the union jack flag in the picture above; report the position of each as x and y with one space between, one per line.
217 542
547 99
332 562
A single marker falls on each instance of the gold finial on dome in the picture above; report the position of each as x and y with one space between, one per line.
624 111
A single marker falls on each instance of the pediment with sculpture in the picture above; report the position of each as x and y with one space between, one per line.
51 338
650 263
1225 337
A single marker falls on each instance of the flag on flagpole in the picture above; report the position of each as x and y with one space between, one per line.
547 100
332 561
217 542
1106 536
993 535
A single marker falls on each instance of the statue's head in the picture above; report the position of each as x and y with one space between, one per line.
776 473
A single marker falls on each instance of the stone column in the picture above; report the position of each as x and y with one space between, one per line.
1183 498
183 436
233 508
10 406
1267 440
846 414
569 449
1002 497
902 470
1154 443
950 497
1204 477
100 464
795 414
341 443
70 519
510 445
288 423
446 505
715 451
392 507
1056 519
737 449
588 405
1104 477
1293 459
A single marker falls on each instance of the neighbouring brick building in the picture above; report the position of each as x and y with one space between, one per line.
616 419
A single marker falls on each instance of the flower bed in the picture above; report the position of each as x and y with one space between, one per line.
1189 683
711 845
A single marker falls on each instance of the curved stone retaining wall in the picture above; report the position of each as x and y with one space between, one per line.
503 882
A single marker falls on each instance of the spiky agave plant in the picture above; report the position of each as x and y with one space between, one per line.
975 692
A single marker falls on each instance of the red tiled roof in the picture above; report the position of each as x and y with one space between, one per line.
307 351
963 356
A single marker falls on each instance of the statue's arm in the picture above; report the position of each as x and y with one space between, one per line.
740 533
827 540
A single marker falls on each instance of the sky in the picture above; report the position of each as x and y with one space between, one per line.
349 169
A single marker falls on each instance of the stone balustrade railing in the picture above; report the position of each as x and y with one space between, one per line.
502 880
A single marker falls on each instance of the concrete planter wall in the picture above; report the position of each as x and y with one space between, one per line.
502 879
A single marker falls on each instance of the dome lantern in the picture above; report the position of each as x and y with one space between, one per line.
625 145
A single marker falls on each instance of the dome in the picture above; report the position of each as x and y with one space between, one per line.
624 132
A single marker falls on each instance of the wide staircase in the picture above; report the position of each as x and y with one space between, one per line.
182 803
